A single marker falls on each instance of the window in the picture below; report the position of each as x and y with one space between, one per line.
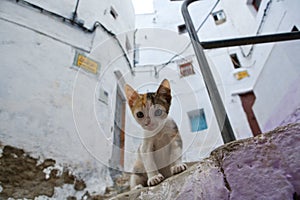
295 29
256 4
197 120
181 29
136 54
235 61
113 13
186 69
219 17
103 96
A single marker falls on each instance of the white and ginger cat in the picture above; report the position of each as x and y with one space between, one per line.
159 155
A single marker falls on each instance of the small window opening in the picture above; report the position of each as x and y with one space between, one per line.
113 13
295 29
235 61
103 96
186 69
182 29
256 4
137 54
197 120
219 17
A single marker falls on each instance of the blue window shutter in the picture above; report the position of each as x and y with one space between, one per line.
198 121
194 121
202 121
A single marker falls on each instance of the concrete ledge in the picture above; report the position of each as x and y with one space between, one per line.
263 167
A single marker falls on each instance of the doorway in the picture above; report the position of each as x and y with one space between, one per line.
117 157
248 100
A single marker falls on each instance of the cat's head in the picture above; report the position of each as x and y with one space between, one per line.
150 109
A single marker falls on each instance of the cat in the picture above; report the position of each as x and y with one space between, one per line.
159 155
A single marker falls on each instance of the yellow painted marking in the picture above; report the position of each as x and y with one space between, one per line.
241 75
87 63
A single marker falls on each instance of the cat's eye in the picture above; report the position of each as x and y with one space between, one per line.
140 114
158 112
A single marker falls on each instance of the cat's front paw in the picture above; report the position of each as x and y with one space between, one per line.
176 169
154 180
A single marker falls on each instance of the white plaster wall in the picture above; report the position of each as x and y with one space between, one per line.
91 11
48 106
36 103
265 62
277 89
280 75
242 16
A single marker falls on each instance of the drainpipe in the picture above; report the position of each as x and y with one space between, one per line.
74 18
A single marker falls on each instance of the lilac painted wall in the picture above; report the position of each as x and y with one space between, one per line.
288 109
263 167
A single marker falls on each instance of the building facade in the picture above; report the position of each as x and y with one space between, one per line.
65 64
53 104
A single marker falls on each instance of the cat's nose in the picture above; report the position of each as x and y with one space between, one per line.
147 121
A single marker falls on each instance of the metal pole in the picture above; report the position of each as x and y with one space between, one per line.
217 104
259 39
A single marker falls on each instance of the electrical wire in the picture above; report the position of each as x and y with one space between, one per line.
163 65
74 22
258 30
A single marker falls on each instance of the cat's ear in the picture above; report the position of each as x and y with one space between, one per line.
164 87
131 95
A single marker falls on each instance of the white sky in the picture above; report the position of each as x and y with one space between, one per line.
143 6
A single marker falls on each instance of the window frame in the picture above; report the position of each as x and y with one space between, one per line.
197 115
113 12
254 4
235 61
186 69
219 17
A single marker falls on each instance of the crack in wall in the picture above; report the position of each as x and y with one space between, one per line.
218 159
227 185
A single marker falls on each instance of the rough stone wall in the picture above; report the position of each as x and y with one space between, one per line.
22 176
263 167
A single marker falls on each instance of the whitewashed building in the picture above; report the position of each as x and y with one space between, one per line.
51 103
64 65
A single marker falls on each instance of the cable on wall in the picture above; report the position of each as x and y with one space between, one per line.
258 30
163 65
79 24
